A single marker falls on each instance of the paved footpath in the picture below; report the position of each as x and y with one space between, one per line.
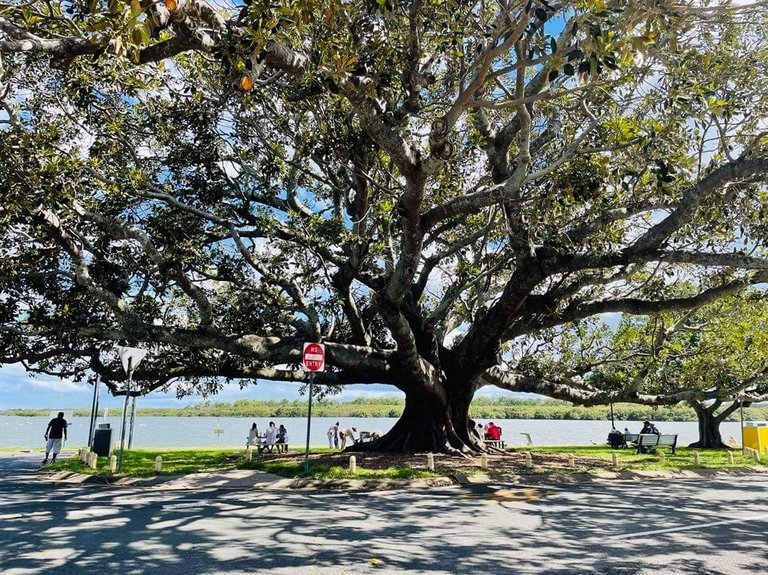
686 526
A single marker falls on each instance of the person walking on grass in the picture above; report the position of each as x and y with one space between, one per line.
55 435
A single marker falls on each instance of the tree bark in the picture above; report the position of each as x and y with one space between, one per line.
709 424
433 421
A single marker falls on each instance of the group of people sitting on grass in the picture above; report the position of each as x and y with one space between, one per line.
273 436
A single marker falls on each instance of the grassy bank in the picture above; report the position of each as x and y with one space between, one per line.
481 408
683 459
141 462
334 465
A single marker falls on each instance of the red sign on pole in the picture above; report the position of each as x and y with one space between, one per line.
313 356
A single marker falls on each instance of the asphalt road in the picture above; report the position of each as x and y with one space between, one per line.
701 526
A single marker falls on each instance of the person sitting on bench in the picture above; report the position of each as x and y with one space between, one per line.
647 428
493 433
270 436
253 436
616 439
282 438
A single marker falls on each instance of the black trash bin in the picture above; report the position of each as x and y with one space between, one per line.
102 440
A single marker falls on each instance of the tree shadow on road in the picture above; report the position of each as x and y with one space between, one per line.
497 529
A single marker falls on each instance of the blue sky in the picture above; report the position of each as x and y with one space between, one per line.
17 389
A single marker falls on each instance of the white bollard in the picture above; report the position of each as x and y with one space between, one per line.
696 458
484 461
431 461
112 463
83 455
756 455
352 464
662 457
249 453
528 460
159 463
92 460
615 459
571 460
730 458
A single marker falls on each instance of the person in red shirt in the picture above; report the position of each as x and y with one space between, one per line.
494 432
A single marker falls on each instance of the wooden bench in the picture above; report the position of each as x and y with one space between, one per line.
631 438
648 442
497 443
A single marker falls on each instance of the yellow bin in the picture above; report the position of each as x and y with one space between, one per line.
756 435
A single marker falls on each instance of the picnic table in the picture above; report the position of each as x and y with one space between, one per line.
260 443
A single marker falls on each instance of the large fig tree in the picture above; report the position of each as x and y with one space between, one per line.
423 186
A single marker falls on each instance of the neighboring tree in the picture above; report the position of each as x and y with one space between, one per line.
713 358
423 186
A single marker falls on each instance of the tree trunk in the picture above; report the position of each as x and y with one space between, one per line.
435 422
709 425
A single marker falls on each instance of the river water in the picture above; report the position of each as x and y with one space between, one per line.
199 431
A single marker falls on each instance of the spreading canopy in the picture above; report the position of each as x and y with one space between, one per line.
423 186
713 358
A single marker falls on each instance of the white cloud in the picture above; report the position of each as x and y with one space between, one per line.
59 385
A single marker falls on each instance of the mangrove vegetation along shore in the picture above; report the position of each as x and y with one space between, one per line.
482 408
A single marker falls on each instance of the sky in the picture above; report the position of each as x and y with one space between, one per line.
19 390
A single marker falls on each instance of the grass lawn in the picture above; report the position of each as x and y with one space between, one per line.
631 461
141 462
330 464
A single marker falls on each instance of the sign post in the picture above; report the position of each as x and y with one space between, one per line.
94 412
313 359
130 358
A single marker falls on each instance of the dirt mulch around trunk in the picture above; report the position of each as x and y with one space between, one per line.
507 463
